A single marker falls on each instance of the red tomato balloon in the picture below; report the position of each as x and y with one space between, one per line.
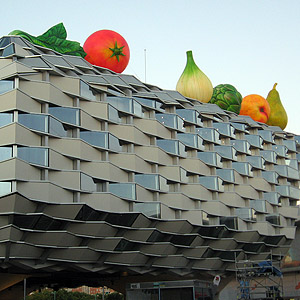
107 49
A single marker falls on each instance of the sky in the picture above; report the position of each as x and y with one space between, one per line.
250 44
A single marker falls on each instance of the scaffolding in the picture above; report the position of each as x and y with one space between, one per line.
259 280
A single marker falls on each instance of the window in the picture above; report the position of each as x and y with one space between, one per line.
5 153
242 146
150 181
269 155
272 197
258 205
224 129
9 50
273 219
149 209
190 116
256 161
34 155
5 187
123 190
57 128
281 150
6 86
172 146
212 183
6 118
34 121
66 114
170 120
191 139
243 168
86 91
270 176
113 114
87 183
254 140
209 134
230 222
227 152
227 175
210 158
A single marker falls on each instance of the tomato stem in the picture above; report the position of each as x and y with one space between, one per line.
117 51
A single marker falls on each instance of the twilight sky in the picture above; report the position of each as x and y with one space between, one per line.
250 44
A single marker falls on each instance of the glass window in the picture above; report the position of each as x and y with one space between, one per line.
34 155
211 183
243 168
272 197
270 176
5 153
242 146
86 91
209 134
245 213
269 155
113 143
137 109
6 118
227 152
146 102
35 62
170 120
225 129
6 86
96 138
226 174
230 222
66 114
273 219
266 135
190 116
292 163
124 104
113 114
172 146
210 158
34 121
149 209
256 161
258 205
9 50
290 144
254 140
57 128
150 181
4 42
5 187
87 183
123 190
281 150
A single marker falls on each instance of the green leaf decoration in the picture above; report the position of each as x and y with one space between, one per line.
54 38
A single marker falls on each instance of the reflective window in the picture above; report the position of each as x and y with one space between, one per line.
272 197
172 146
66 114
290 144
226 174
9 50
113 114
6 118
245 213
57 128
5 187
150 181
288 191
34 155
124 104
149 209
137 109
190 116
5 153
273 219
35 62
227 152
4 42
87 183
170 120
230 222
281 150
34 121
254 140
209 134
113 143
266 135
286 171
256 161
96 138
269 155
6 86
242 146
210 158
239 126
192 140
270 176
147 102
258 205
212 183
293 163
224 129
86 91
243 168
123 190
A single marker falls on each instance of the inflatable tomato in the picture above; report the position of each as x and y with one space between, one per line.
107 49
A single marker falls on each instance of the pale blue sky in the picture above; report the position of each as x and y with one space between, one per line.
250 44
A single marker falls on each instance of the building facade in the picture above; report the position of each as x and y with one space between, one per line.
106 177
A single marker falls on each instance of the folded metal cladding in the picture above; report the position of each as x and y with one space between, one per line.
101 172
